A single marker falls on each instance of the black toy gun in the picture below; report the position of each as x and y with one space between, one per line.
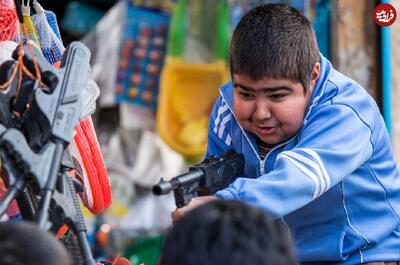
206 178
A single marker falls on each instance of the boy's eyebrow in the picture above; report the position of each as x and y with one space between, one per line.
264 89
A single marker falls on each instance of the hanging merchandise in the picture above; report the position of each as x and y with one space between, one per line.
8 21
188 90
85 148
50 43
13 211
142 55
6 49
30 28
89 163
44 110
91 170
42 113
52 20
104 42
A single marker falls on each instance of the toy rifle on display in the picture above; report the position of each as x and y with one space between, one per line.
206 178
33 143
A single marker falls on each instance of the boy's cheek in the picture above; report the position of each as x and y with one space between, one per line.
241 110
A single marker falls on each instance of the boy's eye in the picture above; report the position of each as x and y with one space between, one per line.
277 96
245 95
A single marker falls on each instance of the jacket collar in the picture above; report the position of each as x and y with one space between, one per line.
319 89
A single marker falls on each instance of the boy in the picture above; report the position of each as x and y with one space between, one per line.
228 232
316 149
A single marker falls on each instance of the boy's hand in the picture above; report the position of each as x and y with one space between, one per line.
195 202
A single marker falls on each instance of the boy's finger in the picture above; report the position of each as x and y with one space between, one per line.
176 215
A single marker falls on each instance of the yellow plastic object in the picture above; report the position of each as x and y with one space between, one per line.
31 30
187 95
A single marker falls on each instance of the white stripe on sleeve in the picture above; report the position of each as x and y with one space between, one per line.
311 175
221 109
314 165
228 140
321 165
223 123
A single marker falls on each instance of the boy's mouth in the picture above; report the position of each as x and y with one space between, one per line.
265 130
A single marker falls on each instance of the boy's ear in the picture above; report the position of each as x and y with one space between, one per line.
314 76
316 72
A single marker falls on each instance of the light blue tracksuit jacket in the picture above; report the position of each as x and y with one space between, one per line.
335 183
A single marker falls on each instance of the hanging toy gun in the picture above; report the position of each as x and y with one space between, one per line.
34 149
206 178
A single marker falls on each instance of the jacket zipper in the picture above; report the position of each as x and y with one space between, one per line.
262 168
262 162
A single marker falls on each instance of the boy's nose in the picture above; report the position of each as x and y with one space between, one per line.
262 111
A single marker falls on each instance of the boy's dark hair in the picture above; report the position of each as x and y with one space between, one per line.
228 233
23 243
275 41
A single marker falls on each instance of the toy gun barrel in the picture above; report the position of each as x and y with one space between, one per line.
182 180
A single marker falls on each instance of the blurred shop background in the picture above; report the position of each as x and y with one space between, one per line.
159 65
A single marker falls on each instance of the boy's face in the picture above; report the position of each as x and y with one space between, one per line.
273 109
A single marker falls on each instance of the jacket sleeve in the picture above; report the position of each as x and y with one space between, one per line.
333 144
219 139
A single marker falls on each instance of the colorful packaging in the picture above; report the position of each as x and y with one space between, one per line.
142 56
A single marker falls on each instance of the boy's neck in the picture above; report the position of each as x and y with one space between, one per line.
263 147
264 144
